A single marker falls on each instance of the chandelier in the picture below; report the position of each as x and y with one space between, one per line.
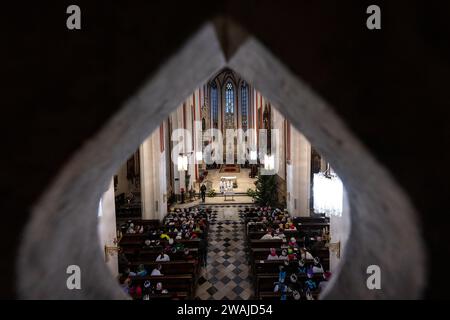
182 162
328 194
269 162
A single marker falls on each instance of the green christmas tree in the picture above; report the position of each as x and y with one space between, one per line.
266 191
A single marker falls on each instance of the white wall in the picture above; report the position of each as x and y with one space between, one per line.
339 231
123 185
153 178
107 227
299 175
278 124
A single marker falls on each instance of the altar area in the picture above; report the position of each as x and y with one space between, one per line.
242 179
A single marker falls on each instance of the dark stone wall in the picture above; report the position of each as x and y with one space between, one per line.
60 86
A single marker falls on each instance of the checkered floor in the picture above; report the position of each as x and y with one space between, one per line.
226 276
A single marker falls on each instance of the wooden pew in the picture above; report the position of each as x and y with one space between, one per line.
266 243
137 240
310 220
311 226
151 254
173 283
273 266
265 282
180 295
267 295
147 223
256 235
168 268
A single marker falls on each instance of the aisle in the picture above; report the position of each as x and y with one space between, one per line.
227 273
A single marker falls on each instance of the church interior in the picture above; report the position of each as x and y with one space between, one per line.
225 150
184 218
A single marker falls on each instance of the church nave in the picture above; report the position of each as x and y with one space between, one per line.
227 274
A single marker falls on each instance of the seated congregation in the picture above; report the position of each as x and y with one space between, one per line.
288 255
161 260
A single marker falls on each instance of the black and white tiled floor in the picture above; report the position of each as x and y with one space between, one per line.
226 276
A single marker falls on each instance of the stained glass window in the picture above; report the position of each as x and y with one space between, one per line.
229 98
214 106
244 105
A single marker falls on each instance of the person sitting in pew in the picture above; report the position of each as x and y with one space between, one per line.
157 271
159 289
130 229
129 273
268 235
291 254
277 236
284 255
310 284
141 272
301 266
318 244
324 282
293 243
124 282
317 267
162 257
273 254
147 288
135 290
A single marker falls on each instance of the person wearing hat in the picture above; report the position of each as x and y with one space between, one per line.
296 295
273 254
293 278
324 282
162 257
301 266
141 272
284 255
317 267
147 287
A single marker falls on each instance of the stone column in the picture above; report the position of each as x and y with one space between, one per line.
107 227
153 178
298 175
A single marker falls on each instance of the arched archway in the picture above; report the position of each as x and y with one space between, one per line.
380 209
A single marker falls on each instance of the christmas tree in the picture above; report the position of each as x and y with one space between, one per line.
266 191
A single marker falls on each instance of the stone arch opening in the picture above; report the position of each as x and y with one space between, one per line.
383 219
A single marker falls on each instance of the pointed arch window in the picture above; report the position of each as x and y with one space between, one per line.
229 106
244 105
214 106
229 98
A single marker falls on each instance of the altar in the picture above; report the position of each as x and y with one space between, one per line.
228 194
226 187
